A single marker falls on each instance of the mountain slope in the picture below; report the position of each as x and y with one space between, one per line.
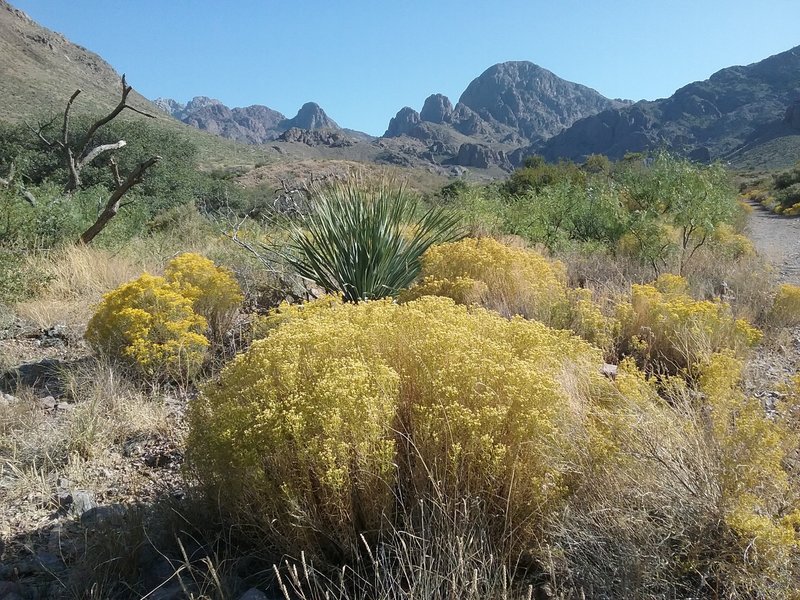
40 69
707 119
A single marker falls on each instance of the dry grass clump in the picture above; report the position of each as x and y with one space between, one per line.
77 278
785 311
105 411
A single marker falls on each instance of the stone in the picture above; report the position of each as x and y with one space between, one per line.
47 403
82 502
609 370
113 513
480 156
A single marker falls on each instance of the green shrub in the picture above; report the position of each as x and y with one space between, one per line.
365 242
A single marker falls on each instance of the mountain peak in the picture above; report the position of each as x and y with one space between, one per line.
437 109
531 99
311 116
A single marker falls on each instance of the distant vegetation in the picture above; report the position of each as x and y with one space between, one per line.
779 193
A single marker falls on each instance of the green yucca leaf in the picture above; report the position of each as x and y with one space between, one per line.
365 242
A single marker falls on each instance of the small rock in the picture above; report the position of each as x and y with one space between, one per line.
609 371
253 594
47 403
82 502
104 514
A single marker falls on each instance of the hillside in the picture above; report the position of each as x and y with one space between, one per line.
732 114
40 69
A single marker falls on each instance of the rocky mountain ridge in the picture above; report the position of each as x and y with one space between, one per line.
256 124
749 115
712 119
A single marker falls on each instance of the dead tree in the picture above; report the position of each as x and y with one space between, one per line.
79 155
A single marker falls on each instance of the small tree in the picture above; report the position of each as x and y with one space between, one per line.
79 153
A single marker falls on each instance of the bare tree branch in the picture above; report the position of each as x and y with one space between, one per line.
39 133
65 127
115 172
80 155
98 151
113 203
123 104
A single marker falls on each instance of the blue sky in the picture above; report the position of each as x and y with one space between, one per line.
363 60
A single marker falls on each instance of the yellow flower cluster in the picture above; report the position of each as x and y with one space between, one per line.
213 291
511 281
151 325
342 403
756 491
671 331
157 324
785 310
732 244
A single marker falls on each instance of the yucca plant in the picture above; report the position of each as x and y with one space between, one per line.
364 241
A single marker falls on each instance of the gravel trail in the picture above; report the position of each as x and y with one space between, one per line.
778 240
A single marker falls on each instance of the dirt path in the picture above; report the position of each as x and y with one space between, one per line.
778 240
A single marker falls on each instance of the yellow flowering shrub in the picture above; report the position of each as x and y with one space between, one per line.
670 331
785 310
732 244
318 426
758 500
149 324
512 281
213 291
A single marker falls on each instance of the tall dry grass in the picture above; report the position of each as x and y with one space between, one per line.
77 278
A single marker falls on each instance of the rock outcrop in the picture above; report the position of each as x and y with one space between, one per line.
311 116
437 109
403 123
481 157
531 100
